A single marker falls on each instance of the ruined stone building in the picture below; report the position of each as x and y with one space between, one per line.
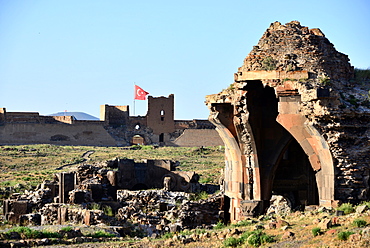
115 128
294 123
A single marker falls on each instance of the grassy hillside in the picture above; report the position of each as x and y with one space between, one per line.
29 165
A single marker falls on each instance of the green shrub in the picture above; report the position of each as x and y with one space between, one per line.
49 235
255 238
316 231
344 235
324 81
347 208
219 225
359 223
66 229
26 232
101 234
231 242
168 235
94 206
199 196
108 210
205 180
242 223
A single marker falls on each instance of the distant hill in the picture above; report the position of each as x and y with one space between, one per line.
78 115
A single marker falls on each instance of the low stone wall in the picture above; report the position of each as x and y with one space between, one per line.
84 133
199 137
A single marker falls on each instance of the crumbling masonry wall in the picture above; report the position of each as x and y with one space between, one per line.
116 128
295 122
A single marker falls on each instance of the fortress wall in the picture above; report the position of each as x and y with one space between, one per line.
80 133
199 137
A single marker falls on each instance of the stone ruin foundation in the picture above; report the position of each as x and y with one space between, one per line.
116 193
294 123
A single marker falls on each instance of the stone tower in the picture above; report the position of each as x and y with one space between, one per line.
160 116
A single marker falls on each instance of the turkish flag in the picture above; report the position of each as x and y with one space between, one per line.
140 94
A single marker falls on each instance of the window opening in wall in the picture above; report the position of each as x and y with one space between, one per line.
137 127
161 137
162 115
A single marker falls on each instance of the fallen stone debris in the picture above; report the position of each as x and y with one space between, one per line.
104 195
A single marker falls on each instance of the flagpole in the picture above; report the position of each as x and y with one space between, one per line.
134 98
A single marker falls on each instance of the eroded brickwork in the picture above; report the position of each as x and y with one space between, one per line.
293 122
116 128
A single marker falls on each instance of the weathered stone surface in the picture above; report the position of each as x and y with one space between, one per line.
294 122
116 128
361 209
288 235
325 224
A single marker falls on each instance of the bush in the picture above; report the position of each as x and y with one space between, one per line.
199 196
94 206
255 238
347 208
49 235
344 235
66 229
102 234
242 223
26 232
219 225
108 210
316 231
167 235
231 242
359 223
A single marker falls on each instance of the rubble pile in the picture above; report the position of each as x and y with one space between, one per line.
92 196
160 208
201 213
34 199
56 213
292 47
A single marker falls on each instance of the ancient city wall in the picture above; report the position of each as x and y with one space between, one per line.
116 127
80 133
198 137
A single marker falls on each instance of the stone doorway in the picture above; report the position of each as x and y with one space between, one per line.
294 177
137 140
265 137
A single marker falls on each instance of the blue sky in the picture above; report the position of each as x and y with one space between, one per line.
77 55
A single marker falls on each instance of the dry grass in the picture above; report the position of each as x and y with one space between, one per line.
29 165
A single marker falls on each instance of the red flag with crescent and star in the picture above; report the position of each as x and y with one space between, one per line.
140 94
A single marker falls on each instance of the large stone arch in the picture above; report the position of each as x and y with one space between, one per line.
255 141
317 150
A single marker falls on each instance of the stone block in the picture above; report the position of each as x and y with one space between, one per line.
66 184
30 220
251 208
19 207
361 209
325 224
62 215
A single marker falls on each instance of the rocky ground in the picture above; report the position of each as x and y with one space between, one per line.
315 227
